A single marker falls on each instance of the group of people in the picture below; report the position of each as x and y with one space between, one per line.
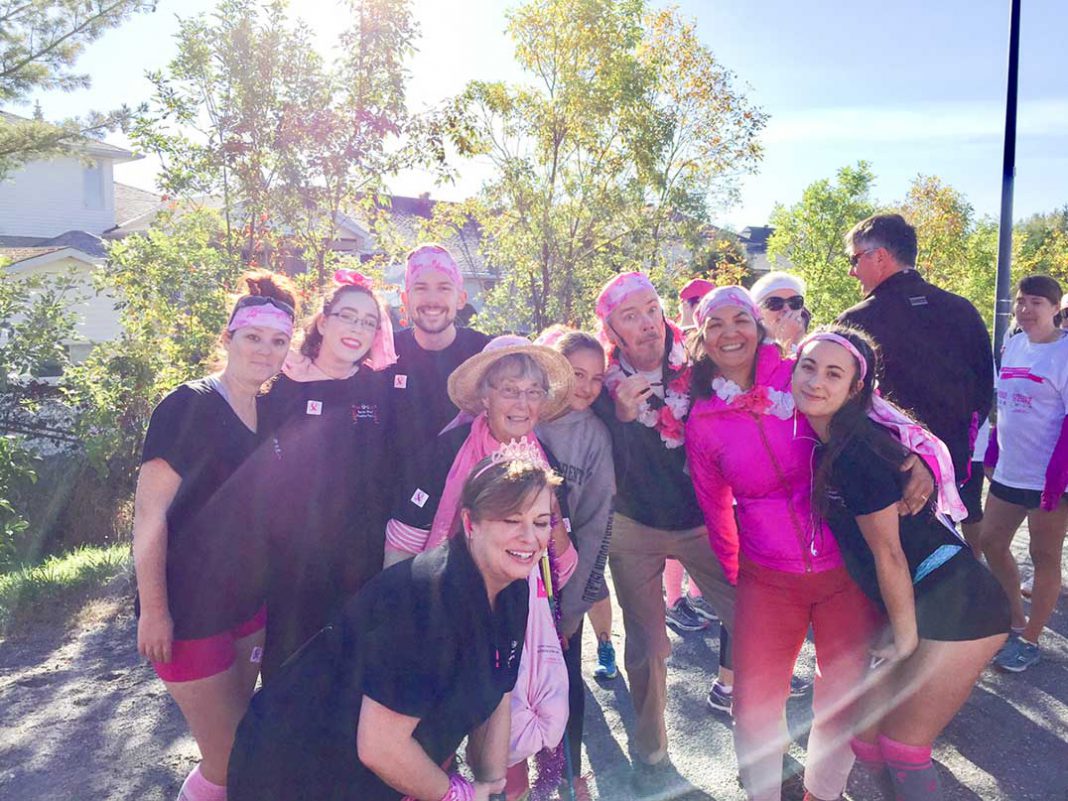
402 535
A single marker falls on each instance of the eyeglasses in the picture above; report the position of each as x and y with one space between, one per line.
260 300
533 395
856 257
796 302
349 317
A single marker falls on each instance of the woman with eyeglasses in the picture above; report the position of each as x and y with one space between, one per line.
323 486
199 435
781 297
502 393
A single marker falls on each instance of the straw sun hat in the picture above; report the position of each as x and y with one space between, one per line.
463 383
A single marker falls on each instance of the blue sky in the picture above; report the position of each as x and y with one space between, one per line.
913 87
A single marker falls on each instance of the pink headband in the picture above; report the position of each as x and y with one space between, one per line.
431 257
837 339
726 296
382 353
264 315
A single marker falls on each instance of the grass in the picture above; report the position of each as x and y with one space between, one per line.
30 591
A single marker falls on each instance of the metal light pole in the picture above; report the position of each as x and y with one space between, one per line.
1003 301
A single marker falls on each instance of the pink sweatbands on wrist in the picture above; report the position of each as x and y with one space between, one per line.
1056 471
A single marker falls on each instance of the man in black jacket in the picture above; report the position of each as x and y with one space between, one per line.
936 356
644 404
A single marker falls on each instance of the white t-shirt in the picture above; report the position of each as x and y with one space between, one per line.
1032 404
982 439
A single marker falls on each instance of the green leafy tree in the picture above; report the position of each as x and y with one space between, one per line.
809 235
35 321
40 42
173 282
250 114
606 159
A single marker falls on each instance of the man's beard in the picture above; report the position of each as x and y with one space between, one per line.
440 324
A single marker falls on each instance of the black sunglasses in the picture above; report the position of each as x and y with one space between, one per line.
775 304
261 300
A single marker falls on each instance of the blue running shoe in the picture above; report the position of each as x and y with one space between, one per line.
606 661
1017 655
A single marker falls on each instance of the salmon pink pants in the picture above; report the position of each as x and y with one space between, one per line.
773 613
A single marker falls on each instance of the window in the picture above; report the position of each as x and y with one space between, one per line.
93 186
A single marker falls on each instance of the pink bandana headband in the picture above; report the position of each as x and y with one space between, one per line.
265 315
431 257
726 296
612 296
908 432
382 354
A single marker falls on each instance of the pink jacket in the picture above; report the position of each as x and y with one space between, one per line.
766 464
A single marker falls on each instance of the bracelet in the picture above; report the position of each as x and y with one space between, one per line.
460 789
498 797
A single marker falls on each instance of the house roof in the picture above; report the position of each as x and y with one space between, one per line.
131 203
463 243
15 249
95 147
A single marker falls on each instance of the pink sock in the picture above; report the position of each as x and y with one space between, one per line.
868 754
672 581
914 776
197 788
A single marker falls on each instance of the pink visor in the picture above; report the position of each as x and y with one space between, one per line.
431 257
726 296
696 289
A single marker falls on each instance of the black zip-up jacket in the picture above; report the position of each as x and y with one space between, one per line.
937 362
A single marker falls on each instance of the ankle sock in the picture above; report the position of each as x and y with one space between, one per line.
868 755
914 776
197 788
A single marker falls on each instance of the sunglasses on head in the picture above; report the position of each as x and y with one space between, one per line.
261 300
775 304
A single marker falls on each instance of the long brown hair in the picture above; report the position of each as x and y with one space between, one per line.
851 423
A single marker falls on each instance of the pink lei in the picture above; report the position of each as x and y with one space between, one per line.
668 416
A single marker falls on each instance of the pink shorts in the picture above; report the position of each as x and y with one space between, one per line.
199 659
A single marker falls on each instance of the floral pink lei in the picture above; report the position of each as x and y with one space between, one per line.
668 416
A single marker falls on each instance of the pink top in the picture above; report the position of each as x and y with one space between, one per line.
763 458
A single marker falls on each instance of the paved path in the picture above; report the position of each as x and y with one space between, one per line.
81 717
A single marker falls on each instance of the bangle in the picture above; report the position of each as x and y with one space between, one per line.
460 789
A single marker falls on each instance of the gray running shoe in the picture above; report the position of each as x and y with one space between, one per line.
683 618
702 608
1017 655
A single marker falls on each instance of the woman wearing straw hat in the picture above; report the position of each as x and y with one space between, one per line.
502 393
426 654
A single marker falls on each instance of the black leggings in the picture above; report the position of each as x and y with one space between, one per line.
576 697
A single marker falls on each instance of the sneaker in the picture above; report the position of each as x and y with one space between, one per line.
1027 587
582 789
683 618
1017 655
606 661
720 700
702 608
799 686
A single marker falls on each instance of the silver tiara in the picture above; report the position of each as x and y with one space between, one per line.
517 450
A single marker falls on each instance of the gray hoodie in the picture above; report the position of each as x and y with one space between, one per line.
582 445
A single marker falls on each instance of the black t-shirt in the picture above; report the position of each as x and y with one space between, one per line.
195 431
420 395
422 640
863 483
327 480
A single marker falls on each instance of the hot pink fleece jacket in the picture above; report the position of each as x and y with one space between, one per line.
765 464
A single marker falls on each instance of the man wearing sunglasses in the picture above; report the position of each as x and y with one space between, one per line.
781 297
936 354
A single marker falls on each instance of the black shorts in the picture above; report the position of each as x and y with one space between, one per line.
971 493
961 600
1027 498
